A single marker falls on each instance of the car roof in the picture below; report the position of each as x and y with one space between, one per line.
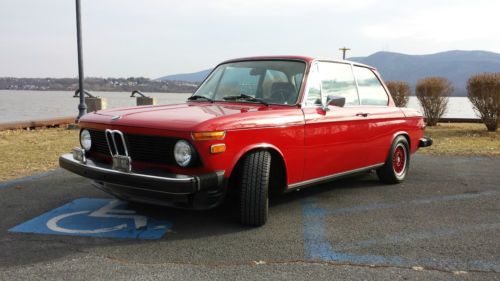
307 59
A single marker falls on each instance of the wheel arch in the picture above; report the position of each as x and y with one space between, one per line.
394 136
404 134
277 181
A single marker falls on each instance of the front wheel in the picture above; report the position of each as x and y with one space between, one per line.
397 164
254 198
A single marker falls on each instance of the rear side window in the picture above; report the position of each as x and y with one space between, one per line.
337 80
371 91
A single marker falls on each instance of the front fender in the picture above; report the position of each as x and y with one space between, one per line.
249 148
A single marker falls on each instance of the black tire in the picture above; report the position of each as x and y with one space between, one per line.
254 195
397 163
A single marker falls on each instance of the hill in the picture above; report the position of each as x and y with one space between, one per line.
457 66
195 77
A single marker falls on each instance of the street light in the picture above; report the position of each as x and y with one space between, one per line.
82 107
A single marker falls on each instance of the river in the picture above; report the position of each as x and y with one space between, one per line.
33 105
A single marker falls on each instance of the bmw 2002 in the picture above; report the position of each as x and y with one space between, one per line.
255 126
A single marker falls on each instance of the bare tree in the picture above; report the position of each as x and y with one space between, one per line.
433 93
483 91
400 92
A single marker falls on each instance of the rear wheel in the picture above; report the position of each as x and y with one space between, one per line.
254 196
396 166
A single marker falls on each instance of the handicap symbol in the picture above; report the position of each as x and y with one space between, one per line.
98 218
107 211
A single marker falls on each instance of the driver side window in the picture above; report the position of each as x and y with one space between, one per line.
337 80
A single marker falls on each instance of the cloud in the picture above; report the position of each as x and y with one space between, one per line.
448 24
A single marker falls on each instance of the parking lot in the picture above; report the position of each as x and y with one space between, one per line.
442 223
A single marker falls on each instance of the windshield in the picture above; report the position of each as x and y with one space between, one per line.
267 82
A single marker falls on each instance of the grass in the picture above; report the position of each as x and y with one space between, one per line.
462 139
25 153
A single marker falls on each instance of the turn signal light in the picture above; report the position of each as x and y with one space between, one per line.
217 148
215 135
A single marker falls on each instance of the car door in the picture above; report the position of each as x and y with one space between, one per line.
335 138
384 120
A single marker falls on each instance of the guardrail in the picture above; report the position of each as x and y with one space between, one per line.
460 120
35 124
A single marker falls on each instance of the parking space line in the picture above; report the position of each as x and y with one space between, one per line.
382 206
318 247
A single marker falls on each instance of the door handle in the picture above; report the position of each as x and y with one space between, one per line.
362 114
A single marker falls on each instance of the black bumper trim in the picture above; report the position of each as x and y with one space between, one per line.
164 183
425 142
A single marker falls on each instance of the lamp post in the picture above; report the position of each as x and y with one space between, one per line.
344 50
82 107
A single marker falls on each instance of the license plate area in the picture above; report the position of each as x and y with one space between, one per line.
122 163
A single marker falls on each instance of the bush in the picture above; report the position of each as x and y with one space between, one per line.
483 91
400 92
433 93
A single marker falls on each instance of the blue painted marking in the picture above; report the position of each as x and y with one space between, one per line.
28 178
382 206
318 247
97 218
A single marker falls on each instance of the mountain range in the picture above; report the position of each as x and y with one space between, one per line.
457 66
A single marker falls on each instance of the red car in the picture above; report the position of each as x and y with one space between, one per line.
257 126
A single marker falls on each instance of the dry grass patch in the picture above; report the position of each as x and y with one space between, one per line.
462 139
25 153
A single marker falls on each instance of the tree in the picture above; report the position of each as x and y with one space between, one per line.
433 93
483 91
400 92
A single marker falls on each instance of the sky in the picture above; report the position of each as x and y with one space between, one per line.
153 38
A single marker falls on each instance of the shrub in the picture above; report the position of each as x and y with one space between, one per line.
483 91
400 92
433 93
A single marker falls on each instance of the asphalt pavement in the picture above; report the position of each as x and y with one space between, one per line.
442 223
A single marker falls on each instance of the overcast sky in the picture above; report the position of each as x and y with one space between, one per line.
152 38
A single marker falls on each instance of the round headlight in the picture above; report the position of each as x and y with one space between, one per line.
85 139
183 153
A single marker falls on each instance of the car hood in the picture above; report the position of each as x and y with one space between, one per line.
179 117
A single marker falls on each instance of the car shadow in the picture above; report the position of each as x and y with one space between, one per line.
192 224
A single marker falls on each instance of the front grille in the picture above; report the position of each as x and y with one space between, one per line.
153 149
99 143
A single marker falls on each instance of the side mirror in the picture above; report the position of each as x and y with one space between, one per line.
335 101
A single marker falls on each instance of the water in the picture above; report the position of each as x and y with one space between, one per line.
34 105
458 107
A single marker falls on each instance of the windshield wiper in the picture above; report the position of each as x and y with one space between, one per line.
246 98
200 97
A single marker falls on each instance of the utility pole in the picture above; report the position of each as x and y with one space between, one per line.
344 50
82 107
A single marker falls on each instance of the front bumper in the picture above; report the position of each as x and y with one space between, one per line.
156 187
